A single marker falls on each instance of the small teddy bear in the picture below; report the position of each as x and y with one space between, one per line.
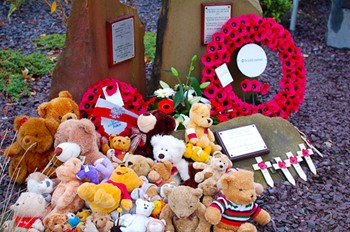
102 221
210 191
184 212
232 211
40 183
140 164
160 174
56 222
217 166
169 148
117 148
197 130
139 220
196 153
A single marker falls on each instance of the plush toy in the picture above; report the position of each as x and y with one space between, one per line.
102 221
161 174
149 124
33 148
56 222
29 211
196 153
184 212
138 221
158 207
58 107
162 191
210 191
88 173
156 225
217 166
197 130
73 220
82 215
192 172
117 148
106 197
232 211
39 183
169 148
147 191
89 226
65 198
140 164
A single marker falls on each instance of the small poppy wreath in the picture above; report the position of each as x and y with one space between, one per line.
233 35
132 99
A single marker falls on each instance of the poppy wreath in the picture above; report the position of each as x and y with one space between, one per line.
233 35
133 101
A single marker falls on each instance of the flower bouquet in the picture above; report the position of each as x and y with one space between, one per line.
177 100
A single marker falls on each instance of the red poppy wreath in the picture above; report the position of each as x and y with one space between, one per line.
133 101
233 35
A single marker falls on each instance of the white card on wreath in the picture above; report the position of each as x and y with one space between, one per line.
115 98
113 126
224 74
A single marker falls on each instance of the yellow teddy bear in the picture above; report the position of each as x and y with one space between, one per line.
197 130
117 148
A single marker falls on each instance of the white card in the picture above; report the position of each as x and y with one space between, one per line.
116 98
112 126
224 75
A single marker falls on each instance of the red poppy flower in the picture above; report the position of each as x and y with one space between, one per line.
208 60
255 85
305 152
226 30
262 165
293 160
264 88
246 85
234 23
212 47
218 37
222 117
282 164
166 106
210 92
208 72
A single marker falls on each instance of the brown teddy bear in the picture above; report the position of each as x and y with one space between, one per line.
33 148
57 222
117 148
29 211
232 211
197 131
140 164
150 123
65 198
160 174
102 221
184 212
210 191
217 166
58 107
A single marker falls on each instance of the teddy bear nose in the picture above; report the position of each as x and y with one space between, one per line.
209 120
161 156
27 140
221 166
70 117
58 151
146 114
252 196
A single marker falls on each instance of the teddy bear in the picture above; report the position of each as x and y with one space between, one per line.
58 107
184 211
233 210
147 191
106 197
66 150
102 221
156 225
140 164
197 131
89 226
33 148
65 198
138 221
149 124
216 167
169 148
196 153
40 183
210 191
117 148
57 222
29 211
160 174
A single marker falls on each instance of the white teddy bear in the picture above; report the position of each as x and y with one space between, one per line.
137 222
169 148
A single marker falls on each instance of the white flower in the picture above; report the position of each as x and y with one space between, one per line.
182 119
164 93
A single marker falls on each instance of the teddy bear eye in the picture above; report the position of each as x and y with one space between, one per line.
59 117
241 189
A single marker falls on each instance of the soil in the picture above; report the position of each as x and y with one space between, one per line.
322 203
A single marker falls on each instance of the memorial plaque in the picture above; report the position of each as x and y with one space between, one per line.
214 16
121 39
242 142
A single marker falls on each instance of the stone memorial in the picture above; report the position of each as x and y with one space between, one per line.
339 24
91 44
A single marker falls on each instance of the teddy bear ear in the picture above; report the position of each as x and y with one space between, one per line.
155 139
208 106
19 121
217 154
65 94
195 106
225 180
167 191
87 126
197 192
112 136
52 125
42 109
150 161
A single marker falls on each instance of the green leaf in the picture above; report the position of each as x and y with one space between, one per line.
195 85
194 58
163 84
194 100
179 96
174 71
204 85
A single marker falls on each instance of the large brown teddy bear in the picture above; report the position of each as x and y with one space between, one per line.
65 198
184 212
33 149
232 211
197 130
59 108
150 123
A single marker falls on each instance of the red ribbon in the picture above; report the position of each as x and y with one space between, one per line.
137 139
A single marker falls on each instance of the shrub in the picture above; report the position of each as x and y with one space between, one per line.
150 45
50 42
276 8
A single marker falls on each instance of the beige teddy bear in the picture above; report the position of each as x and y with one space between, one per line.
160 174
237 206
140 164
197 130
184 211
102 221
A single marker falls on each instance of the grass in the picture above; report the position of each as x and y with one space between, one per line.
50 42
150 46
